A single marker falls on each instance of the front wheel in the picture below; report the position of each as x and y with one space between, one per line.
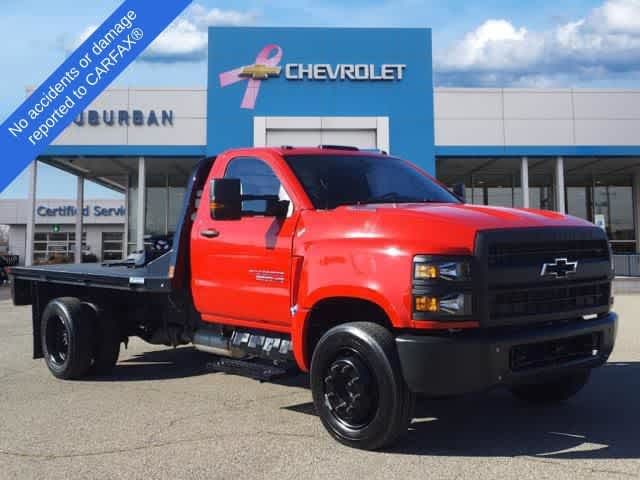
357 386
553 391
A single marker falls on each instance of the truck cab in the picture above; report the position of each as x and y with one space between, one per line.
364 271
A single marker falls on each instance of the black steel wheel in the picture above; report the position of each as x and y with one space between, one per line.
552 391
57 335
67 338
350 390
358 388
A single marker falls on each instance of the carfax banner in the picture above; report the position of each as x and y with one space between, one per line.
80 79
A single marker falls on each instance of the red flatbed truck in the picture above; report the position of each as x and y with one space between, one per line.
357 267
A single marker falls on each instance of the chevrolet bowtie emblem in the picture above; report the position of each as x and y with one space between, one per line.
560 268
260 72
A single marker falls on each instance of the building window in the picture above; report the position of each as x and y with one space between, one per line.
164 192
615 205
488 181
112 245
157 208
176 199
599 190
132 213
56 247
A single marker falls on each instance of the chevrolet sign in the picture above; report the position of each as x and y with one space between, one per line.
344 71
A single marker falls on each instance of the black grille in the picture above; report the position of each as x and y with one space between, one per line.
505 254
510 285
540 300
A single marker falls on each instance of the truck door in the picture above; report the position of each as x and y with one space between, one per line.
241 268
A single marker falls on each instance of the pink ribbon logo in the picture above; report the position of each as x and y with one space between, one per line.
266 65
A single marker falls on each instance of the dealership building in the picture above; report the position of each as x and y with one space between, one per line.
568 150
54 234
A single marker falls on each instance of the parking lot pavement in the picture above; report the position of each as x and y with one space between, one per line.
5 293
164 414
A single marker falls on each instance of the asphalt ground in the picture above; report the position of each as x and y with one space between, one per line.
165 414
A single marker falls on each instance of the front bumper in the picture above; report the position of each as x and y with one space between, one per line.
439 366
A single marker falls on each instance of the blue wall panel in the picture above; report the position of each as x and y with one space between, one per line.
408 102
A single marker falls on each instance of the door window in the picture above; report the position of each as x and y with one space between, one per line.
257 179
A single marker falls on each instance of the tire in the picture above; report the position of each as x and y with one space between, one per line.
553 391
357 386
106 343
67 338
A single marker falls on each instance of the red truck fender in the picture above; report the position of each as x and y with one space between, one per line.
302 317
359 281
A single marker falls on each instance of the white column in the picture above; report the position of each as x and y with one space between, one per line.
382 134
524 181
259 131
126 218
79 217
31 213
141 204
636 207
560 204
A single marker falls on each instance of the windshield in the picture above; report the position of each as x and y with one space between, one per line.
334 180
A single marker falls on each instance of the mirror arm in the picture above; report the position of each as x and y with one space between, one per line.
459 191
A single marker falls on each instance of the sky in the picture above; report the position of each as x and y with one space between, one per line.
493 43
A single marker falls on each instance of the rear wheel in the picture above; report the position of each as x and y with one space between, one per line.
67 338
358 388
553 391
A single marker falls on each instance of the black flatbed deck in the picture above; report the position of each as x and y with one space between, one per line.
156 276
153 277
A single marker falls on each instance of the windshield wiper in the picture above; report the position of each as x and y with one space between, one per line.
393 197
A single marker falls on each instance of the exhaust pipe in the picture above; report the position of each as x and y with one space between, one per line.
212 342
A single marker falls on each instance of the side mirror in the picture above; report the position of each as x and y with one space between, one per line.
226 200
277 208
459 191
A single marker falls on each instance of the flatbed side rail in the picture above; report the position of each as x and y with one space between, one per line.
180 253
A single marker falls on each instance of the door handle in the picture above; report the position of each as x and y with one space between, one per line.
210 233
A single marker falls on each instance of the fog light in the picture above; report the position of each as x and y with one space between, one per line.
426 304
455 304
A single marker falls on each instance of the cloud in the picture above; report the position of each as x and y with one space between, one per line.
184 40
605 43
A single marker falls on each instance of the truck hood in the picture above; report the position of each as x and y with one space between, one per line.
477 217
446 228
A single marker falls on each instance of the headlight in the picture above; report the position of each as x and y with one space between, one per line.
427 267
442 287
